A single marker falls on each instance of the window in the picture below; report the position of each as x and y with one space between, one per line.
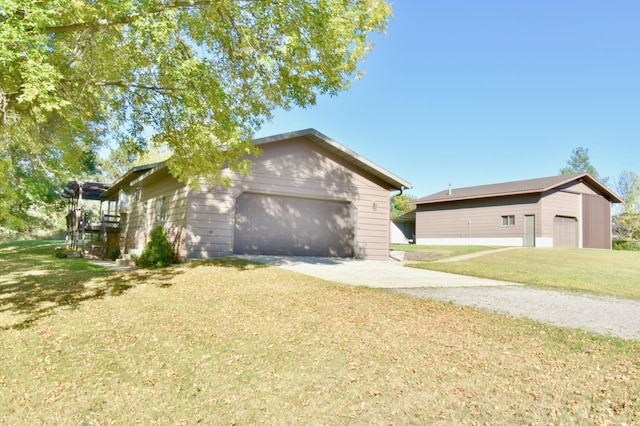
160 208
124 200
509 220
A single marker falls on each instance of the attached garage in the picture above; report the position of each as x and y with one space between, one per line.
303 195
293 226
565 232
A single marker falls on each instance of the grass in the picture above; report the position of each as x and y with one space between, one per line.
438 252
608 272
231 342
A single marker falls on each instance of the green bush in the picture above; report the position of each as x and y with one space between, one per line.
114 254
626 245
158 252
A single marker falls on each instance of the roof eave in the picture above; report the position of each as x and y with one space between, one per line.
475 197
123 179
156 168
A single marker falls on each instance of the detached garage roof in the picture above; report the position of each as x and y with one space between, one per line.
393 181
521 187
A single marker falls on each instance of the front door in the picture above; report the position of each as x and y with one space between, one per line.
529 231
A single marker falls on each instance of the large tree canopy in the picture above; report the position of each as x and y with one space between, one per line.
200 76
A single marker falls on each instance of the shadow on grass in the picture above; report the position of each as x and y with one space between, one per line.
227 262
34 283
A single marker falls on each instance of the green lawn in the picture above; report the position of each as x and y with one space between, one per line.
610 272
231 342
439 252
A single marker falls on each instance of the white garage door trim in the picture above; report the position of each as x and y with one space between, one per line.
278 224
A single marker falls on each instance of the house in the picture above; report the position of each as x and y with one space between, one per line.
558 211
305 195
93 216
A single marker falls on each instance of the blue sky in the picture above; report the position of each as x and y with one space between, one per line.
487 91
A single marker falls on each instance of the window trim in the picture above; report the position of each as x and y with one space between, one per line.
161 208
508 221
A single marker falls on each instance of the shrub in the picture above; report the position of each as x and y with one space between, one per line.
114 254
158 252
628 245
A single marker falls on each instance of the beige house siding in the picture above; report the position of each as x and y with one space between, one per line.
297 168
578 188
142 218
476 221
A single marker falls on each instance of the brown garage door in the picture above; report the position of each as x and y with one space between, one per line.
268 224
565 232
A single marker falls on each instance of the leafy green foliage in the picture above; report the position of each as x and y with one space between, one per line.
122 158
626 224
579 163
400 204
199 76
158 252
114 254
626 245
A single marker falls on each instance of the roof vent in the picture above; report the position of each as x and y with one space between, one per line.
449 188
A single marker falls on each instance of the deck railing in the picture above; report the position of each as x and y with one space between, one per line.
80 226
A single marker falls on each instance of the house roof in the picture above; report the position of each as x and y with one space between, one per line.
521 187
90 190
125 179
393 181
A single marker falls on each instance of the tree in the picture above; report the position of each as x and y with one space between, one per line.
580 163
400 204
200 76
120 160
627 223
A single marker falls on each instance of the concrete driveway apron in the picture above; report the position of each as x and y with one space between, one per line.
372 273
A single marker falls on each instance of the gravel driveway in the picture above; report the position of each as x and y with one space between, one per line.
599 314
609 316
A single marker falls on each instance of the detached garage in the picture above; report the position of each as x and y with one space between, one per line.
556 211
306 195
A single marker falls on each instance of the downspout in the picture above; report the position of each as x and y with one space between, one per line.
399 193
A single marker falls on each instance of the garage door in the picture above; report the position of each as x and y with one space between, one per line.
267 224
564 232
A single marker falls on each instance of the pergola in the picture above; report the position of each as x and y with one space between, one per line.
79 224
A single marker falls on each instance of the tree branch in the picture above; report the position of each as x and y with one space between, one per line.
122 20
124 84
